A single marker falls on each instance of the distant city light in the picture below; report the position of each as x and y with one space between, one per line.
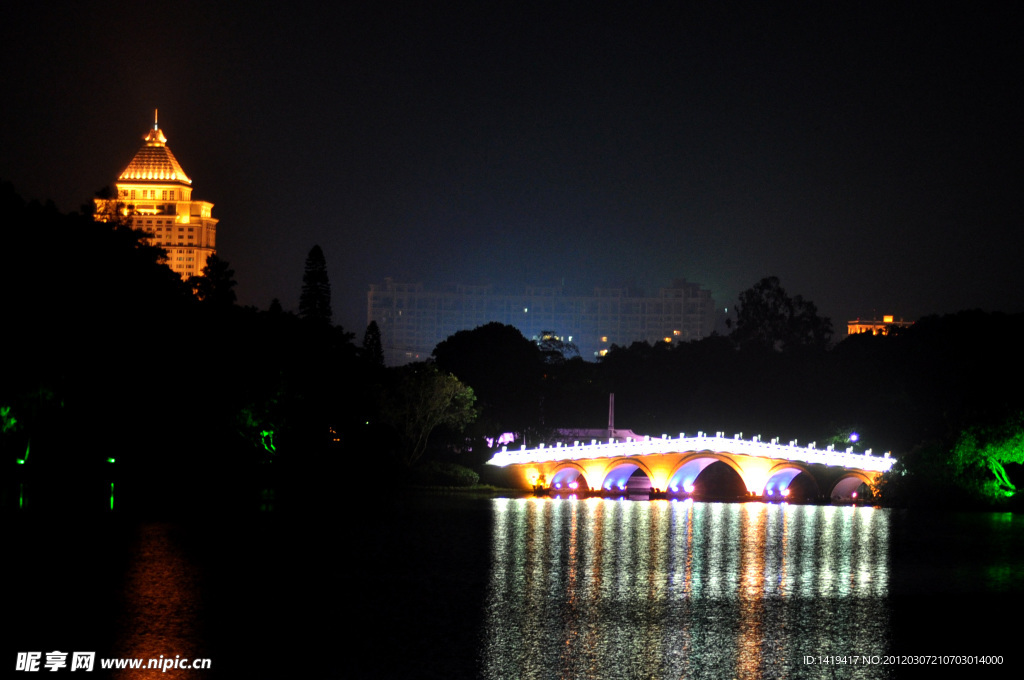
854 436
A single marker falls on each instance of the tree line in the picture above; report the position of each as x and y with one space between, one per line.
110 355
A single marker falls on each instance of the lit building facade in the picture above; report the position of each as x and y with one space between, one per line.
155 195
413 320
882 326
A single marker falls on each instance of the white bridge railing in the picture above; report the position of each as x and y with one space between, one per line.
718 443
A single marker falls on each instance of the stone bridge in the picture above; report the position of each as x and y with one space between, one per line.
672 466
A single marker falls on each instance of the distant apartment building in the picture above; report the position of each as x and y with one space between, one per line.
414 319
881 326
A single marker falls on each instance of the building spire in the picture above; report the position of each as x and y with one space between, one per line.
154 137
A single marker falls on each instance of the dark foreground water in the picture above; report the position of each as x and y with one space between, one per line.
449 587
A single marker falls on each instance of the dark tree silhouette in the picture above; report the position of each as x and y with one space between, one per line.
372 347
505 371
315 299
766 316
423 400
554 349
216 284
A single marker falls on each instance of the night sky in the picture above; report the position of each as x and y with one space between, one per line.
868 156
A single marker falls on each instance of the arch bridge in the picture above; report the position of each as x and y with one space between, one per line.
672 465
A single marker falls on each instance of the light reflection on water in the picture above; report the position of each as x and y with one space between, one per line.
162 598
655 589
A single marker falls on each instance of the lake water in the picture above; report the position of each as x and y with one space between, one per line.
453 587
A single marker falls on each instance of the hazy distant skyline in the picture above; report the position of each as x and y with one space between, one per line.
867 156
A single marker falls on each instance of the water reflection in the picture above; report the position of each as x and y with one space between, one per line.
599 588
161 617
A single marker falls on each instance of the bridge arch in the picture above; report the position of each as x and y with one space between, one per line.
781 476
566 474
689 468
616 474
848 483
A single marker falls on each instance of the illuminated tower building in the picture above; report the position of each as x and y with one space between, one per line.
155 195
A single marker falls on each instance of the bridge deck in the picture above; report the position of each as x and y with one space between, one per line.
702 442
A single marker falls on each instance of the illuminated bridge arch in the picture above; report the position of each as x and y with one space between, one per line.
844 487
689 468
783 474
567 474
617 473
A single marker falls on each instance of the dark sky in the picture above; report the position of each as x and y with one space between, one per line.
868 156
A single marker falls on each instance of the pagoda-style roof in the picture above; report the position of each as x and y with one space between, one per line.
154 162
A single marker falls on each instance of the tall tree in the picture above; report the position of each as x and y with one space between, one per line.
315 299
554 349
217 283
506 372
372 347
768 317
422 400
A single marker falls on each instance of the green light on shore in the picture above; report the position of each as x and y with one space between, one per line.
267 439
110 460
22 461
